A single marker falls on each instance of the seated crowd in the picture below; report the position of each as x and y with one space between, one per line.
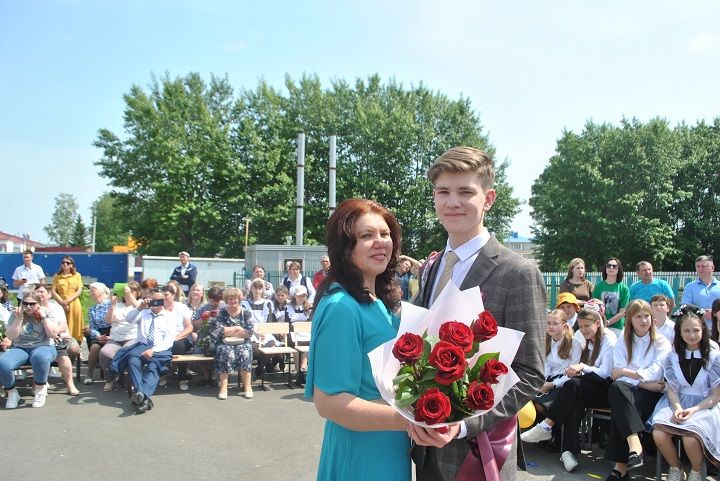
616 348
140 327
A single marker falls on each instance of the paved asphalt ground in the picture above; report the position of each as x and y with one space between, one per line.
192 435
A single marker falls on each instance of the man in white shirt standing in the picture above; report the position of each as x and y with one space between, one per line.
151 355
27 275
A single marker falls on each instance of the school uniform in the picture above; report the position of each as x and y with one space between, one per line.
631 405
588 389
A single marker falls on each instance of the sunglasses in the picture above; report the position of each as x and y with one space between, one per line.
28 303
612 266
67 263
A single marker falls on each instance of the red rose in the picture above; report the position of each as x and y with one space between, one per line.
492 370
480 396
432 407
38 315
408 348
484 327
457 333
205 315
450 362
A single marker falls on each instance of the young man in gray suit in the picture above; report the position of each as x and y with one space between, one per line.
513 290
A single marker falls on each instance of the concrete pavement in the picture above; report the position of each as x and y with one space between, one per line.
192 435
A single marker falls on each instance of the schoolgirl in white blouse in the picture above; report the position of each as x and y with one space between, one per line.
638 384
586 385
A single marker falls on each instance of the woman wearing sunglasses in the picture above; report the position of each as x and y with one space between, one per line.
66 289
32 330
614 294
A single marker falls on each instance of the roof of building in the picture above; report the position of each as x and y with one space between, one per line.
4 236
515 237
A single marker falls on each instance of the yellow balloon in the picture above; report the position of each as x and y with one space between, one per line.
526 416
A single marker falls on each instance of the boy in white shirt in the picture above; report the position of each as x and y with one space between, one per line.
661 308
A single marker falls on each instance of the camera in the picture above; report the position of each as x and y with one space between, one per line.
155 302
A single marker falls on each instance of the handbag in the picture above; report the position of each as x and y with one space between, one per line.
233 341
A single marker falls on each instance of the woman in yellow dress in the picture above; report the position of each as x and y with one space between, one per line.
66 289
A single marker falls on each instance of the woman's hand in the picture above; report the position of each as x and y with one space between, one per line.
682 415
432 437
575 370
655 386
547 387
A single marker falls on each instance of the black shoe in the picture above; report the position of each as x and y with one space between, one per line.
635 460
138 398
270 368
282 366
615 476
146 405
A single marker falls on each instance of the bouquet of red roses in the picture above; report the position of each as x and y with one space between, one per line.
438 371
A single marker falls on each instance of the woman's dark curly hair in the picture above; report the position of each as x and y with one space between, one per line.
341 238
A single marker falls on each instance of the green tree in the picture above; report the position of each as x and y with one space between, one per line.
178 183
79 234
696 207
109 224
62 224
608 192
196 161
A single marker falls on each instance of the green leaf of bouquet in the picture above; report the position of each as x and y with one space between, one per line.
428 373
408 368
402 377
406 399
482 360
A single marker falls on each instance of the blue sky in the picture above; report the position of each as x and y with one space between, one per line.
530 68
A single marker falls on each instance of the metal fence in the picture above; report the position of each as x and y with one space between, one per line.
677 280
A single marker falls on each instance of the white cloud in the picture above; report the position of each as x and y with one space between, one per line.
702 43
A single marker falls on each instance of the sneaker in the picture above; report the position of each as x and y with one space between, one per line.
54 372
87 381
13 398
635 460
183 385
536 434
569 461
40 397
616 476
694 476
162 382
676 474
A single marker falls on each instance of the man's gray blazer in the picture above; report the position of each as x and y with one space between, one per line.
513 290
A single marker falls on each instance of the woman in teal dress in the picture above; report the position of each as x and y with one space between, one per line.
364 437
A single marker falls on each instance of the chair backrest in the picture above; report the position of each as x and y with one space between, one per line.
273 328
302 326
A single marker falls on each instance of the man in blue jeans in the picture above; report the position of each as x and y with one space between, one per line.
151 354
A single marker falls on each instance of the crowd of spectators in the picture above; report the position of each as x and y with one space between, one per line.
628 349
139 327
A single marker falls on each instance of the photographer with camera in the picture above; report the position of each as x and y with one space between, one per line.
32 330
150 356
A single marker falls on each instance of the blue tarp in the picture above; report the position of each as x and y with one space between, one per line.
106 267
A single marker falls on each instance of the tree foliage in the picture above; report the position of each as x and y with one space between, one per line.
109 230
80 233
196 160
635 191
63 220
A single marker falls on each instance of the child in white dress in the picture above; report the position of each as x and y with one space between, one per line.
690 407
